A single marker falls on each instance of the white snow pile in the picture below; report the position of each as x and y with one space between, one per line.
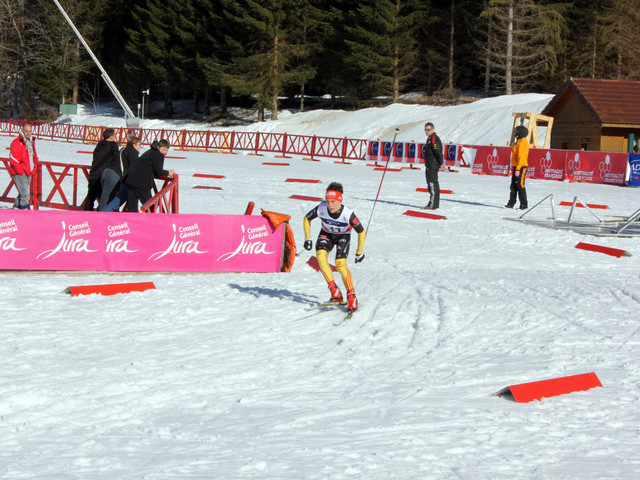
226 376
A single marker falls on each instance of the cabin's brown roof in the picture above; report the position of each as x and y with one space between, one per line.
611 101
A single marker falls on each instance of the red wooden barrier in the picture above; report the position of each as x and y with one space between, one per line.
68 189
166 200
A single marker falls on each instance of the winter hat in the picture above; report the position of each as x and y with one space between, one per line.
521 131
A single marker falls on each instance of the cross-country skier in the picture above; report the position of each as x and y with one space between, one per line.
337 221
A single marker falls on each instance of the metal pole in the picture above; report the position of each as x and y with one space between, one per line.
144 92
112 87
382 179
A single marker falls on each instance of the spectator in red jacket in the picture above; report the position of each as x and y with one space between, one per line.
22 164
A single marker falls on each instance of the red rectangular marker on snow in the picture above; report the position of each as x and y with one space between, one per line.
426 190
313 263
205 175
526 392
432 216
110 289
590 205
275 164
301 180
304 197
614 252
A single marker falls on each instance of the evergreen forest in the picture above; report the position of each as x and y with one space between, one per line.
274 54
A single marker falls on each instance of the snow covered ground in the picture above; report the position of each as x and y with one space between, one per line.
225 376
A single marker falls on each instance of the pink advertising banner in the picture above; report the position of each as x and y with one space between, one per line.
134 242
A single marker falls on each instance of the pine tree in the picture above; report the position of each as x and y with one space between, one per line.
212 57
621 33
431 44
151 49
370 30
262 34
526 37
61 59
16 32
333 76
382 45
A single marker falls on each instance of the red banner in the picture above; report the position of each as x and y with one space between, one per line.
489 160
547 164
596 167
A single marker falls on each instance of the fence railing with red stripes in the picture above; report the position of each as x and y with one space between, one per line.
593 167
63 186
209 141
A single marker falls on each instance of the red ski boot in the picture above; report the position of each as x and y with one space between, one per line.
352 301
336 295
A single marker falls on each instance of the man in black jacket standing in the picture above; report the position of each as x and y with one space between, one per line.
105 152
141 174
433 160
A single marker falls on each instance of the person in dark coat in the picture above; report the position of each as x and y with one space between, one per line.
141 174
105 153
128 156
432 152
110 180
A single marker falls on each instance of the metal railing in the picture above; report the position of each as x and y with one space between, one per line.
60 186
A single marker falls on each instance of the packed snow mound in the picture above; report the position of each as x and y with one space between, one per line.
483 122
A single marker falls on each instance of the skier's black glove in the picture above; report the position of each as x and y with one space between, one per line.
308 244
359 258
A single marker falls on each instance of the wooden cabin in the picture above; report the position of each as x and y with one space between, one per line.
595 114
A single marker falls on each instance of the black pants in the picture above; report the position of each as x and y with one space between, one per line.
94 191
517 188
133 195
434 187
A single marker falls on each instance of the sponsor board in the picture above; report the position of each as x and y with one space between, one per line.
634 169
96 241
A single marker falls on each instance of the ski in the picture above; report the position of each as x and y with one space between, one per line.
324 305
344 319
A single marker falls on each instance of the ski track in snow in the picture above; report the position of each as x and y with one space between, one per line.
225 376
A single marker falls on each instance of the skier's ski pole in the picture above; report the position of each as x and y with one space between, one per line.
382 179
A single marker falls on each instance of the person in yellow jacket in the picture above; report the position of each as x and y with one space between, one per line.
336 222
519 166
